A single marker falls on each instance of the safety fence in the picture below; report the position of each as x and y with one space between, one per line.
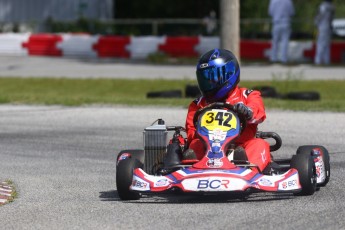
140 47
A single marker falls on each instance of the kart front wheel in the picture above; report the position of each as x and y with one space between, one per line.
133 153
323 167
306 171
124 176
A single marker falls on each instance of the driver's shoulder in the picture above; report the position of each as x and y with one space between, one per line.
200 101
245 92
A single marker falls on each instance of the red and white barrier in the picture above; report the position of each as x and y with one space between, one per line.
337 52
43 44
11 44
140 47
78 45
112 47
181 46
207 43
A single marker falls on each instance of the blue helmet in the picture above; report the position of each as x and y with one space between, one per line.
218 73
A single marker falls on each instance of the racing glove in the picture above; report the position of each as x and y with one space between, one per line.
242 109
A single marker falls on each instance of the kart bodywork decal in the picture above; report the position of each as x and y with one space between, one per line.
196 180
217 128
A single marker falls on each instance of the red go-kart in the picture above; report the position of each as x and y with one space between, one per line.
222 169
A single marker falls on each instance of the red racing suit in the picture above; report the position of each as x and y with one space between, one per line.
257 149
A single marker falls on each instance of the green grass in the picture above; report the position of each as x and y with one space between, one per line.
75 92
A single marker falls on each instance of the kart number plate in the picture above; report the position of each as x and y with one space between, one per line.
219 119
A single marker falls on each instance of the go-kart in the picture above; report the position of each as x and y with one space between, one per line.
222 169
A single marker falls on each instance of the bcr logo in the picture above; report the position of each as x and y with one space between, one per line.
213 184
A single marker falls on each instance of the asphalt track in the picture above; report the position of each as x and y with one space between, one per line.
109 68
62 161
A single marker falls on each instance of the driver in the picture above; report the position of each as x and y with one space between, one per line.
218 75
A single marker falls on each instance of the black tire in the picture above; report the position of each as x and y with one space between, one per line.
124 176
267 91
306 171
308 96
165 94
307 149
192 91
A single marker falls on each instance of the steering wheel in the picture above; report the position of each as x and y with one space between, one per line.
219 105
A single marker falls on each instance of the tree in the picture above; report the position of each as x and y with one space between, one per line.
230 26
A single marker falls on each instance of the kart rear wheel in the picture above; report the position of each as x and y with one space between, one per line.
308 150
124 176
306 171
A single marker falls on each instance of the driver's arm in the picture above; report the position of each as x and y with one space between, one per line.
190 128
255 103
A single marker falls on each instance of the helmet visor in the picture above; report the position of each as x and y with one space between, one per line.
209 79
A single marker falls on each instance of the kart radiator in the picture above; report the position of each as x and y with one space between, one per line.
155 146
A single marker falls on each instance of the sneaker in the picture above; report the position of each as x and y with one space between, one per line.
240 154
272 169
189 157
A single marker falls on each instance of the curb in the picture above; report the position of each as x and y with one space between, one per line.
7 192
